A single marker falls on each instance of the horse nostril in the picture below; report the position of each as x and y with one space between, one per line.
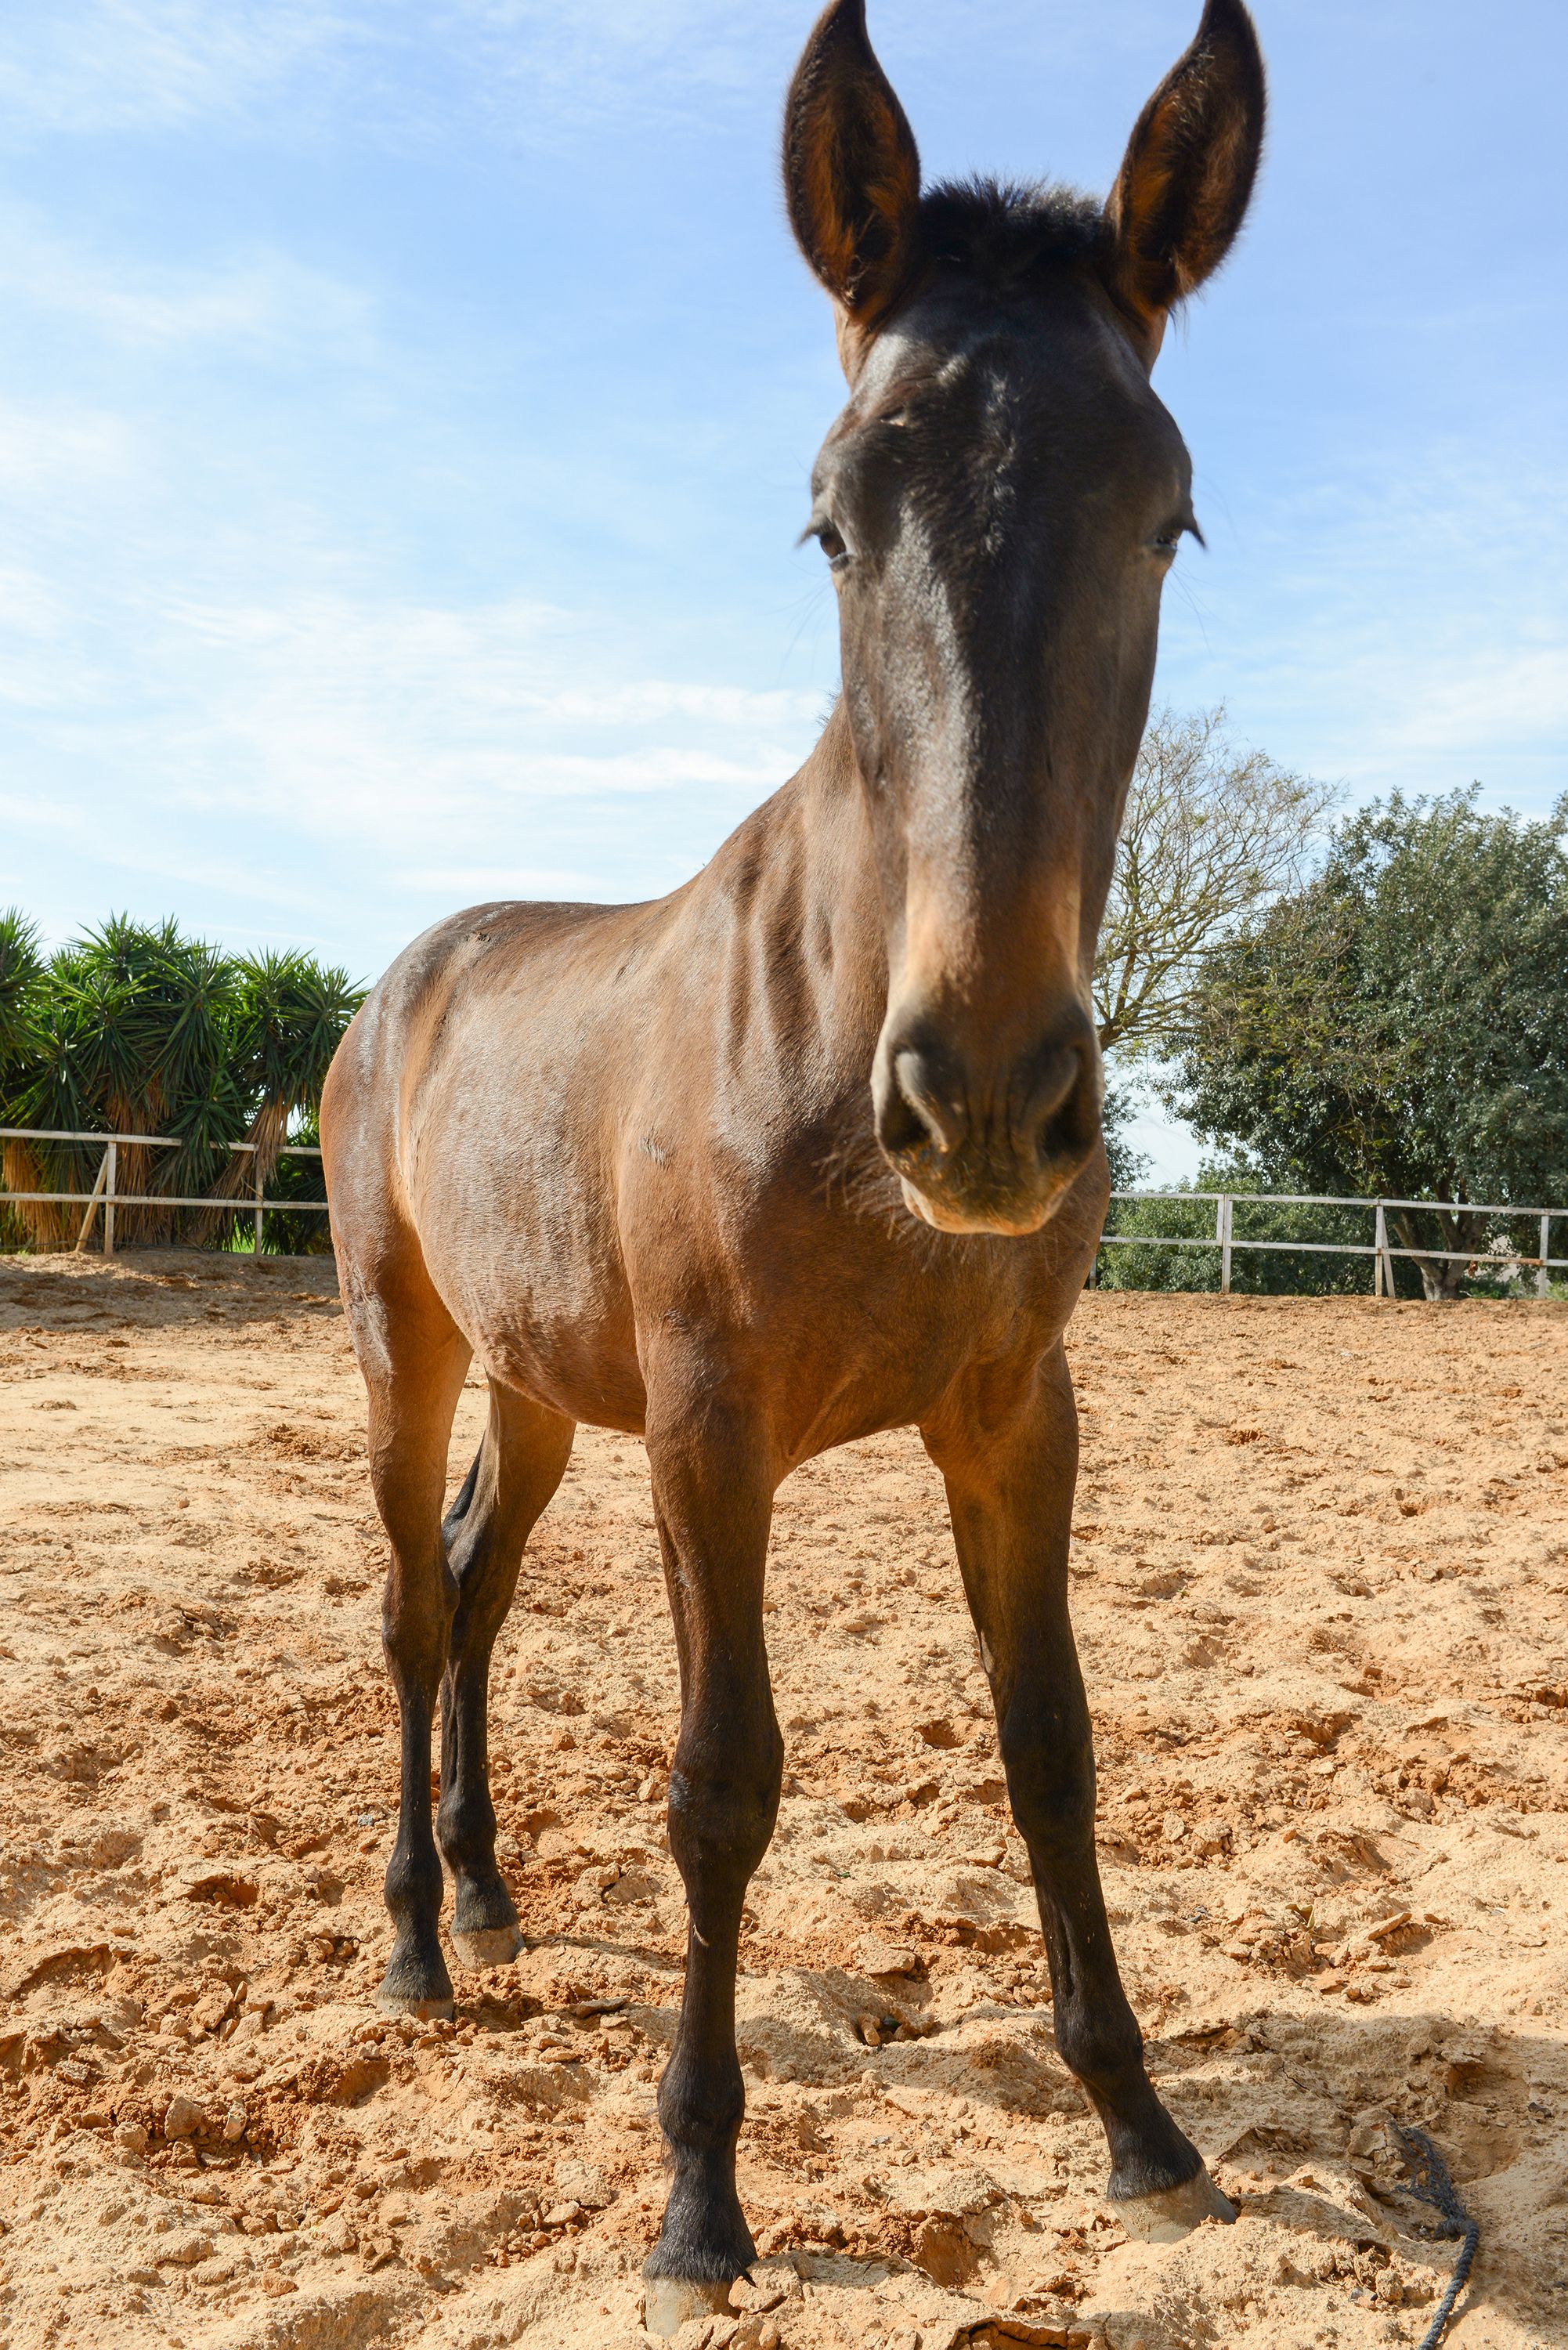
1065 1109
911 1115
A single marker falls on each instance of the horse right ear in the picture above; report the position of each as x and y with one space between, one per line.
852 171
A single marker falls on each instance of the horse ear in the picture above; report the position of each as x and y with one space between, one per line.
1187 174
852 171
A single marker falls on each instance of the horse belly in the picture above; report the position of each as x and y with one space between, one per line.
519 1241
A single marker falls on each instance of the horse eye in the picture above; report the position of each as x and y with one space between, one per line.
832 545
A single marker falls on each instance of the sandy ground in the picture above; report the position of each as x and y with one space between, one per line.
1321 1565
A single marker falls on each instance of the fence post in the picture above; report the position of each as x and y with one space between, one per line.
1384 1253
259 1188
1544 1278
95 1196
111 1164
1223 1233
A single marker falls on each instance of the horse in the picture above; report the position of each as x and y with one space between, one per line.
811 1148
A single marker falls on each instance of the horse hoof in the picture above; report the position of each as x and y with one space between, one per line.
490 1946
1172 2212
428 2011
668 2303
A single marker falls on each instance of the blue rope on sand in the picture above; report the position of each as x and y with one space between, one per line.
1430 2181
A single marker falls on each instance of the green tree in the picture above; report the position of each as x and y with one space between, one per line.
1399 1024
135 1029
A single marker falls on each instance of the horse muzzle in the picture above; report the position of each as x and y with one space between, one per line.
981 1148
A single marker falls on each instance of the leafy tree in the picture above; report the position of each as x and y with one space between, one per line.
1399 1024
1211 833
134 1029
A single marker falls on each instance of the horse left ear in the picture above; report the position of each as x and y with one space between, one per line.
1187 174
851 168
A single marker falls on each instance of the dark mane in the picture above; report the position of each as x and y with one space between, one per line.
1003 229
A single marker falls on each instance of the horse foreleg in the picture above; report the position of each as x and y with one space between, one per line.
714 1496
1010 1464
517 1469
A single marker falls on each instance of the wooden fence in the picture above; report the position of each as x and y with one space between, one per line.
1223 1237
104 1196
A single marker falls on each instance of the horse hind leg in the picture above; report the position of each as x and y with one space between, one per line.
414 1360
516 1471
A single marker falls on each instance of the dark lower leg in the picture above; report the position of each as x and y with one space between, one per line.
719 1830
1011 1466
517 1469
1051 1785
415 1639
484 1926
713 1497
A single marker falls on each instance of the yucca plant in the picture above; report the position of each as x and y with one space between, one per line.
134 1029
21 969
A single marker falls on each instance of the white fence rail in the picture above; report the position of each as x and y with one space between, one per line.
104 1195
106 1198
1379 1248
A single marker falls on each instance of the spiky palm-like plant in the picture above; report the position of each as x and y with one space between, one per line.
134 1029
21 968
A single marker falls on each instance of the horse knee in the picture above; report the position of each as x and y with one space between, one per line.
722 1812
1050 1778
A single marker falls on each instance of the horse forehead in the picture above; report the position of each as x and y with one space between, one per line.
981 394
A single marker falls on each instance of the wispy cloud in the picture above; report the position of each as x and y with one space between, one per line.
1402 626
86 66
260 299
47 447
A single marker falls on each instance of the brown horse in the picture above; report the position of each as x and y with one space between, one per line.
811 1148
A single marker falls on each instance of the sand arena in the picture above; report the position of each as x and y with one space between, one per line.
1321 1565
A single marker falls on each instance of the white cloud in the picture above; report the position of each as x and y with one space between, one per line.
49 449
1408 629
149 66
291 68
259 299
409 734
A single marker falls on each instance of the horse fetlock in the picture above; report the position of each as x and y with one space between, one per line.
484 1926
1104 2050
416 1982
700 2108
704 2238
465 1831
414 1888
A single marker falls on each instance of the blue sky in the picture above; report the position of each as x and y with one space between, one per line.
405 416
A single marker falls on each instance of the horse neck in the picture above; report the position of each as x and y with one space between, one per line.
781 937
835 899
